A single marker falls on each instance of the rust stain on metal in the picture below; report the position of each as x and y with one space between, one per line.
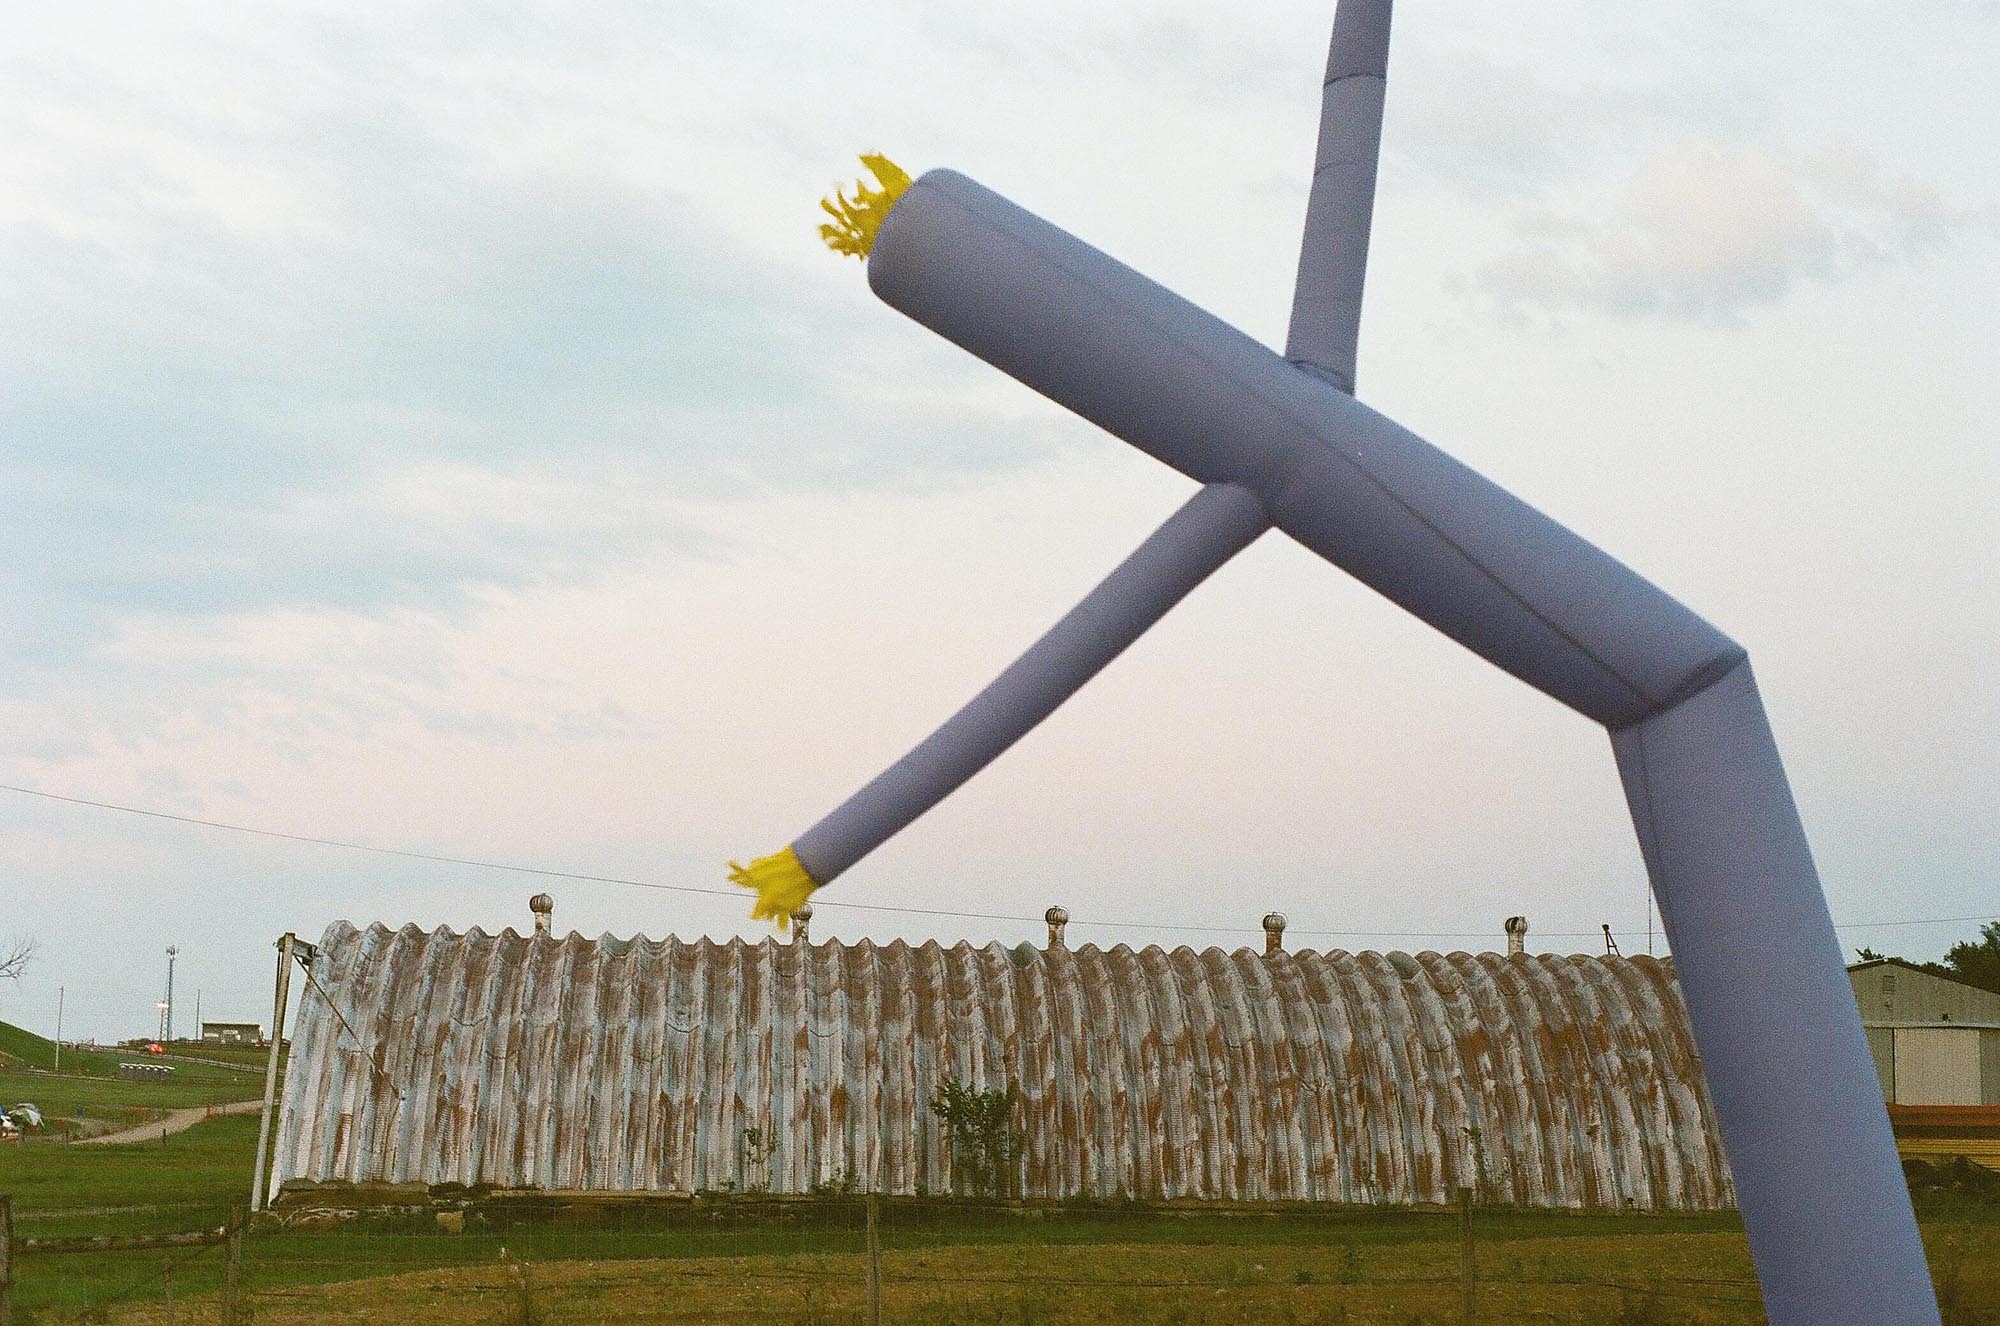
573 1063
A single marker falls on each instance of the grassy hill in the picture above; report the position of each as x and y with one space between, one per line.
21 1048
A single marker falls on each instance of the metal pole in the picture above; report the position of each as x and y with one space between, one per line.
6 1261
874 1259
278 1001
167 1033
59 1013
1466 1277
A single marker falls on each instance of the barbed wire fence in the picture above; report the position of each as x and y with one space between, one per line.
840 1259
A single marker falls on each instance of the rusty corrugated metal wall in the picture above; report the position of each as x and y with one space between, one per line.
1354 1077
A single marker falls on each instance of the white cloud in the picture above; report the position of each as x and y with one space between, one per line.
436 426
1708 231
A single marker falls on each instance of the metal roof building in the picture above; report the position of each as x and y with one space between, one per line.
1935 1041
613 1064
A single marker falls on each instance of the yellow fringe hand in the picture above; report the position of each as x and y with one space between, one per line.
856 219
781 884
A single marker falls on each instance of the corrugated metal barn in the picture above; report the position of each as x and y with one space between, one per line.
610 1064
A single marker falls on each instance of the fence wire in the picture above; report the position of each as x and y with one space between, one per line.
552 1263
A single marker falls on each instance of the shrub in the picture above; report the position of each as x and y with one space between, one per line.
984 1142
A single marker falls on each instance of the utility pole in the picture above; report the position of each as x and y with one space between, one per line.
279 997
59 1012
167 1032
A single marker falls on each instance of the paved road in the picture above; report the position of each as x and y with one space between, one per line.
178 1121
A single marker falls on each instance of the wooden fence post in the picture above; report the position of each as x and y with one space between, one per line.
526 1313
167 1279
874 1259
232 1270
6 1261
1466 1276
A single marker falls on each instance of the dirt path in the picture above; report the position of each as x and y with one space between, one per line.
178 1121
256 1070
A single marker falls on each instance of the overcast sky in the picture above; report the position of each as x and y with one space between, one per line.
436 426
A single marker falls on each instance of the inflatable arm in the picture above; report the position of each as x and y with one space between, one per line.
1218 522
1333 255
1280 441
1368 495
1828 1218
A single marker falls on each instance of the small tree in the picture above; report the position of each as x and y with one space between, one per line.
14 958
984 1142
757 1148
1977 961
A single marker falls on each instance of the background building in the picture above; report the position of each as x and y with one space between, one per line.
1936 1045
232 1033
1936 1041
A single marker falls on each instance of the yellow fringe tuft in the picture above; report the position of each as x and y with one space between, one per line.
782 886
856 219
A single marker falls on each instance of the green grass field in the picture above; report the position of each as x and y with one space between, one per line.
1078 1267
188 1181
250 1057
67 1097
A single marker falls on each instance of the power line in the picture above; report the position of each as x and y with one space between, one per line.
367 847
737 894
